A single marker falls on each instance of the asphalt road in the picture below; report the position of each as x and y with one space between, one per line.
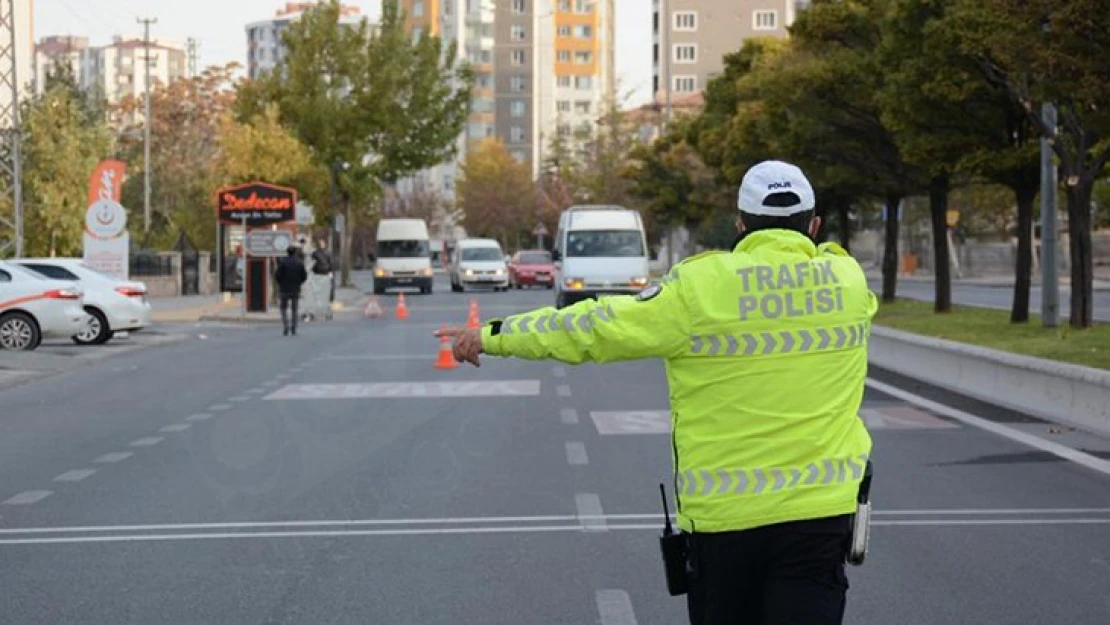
997 297
221 481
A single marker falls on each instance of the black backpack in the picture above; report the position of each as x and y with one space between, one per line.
322 264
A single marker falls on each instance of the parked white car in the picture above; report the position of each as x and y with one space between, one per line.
479 263
33 308
113 305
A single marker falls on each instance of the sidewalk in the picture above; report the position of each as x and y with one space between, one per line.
345 297
190 307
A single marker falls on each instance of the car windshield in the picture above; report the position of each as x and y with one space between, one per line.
403 249
482 254
23 271
605 243
535 258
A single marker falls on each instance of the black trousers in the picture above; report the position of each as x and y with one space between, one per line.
284 301
786 574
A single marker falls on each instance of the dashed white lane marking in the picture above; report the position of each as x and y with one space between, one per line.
407 390
562 390
147 442
28 497
270 383
114 457
240 398
219 407
590 514
569 416
615 608
382 357
75 475
576 453
200 416
176 427
283 376
559 371
1056 449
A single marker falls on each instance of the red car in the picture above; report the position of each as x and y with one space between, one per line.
531 268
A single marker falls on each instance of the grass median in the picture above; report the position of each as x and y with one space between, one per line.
992 328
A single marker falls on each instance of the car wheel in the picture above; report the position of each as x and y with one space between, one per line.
560 301
96 332
456 288
19 332
379 290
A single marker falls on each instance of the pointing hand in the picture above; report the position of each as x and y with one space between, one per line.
468 343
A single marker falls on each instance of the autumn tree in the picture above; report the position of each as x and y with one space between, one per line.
1053 51
63 142
496 193
372 106
184 148
263 149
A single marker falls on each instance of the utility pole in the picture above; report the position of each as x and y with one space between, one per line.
146 22
191 46
11 159
1050 288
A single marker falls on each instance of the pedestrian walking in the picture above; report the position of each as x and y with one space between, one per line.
324 270
766 351
290 276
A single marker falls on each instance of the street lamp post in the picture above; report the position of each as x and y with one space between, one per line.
1050 288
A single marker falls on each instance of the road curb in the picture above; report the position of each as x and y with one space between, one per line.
1058 392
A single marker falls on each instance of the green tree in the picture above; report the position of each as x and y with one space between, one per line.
371 106
497 195
62 145
263 149
1053 51
951 121
184 148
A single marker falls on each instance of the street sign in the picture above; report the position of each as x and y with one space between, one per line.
271 243
540 230
340 223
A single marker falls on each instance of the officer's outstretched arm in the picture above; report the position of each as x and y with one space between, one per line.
653 324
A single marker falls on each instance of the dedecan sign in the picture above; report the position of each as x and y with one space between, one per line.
263 204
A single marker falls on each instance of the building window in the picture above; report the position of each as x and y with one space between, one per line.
564 56
582 107
583 58
517 32
583 32
516 134
765 20
685 84
518 6
563 130
517 58
564 31
520 156
564 6
583 6
685 53
516 84
418 8
483 81
517 108
481 105
563 81
563 106
417 32
583 83
686 21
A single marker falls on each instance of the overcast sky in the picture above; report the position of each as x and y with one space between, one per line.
218 26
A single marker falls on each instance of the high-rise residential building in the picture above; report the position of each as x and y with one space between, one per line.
697 34
264 46
583 67
51 52
116 71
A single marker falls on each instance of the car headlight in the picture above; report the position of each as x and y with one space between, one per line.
499 272
380 273
575 284
638 281
426 271
469 272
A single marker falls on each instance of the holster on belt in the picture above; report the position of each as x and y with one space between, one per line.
861 521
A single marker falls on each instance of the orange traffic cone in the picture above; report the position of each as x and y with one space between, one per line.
402 309
446 358
473 320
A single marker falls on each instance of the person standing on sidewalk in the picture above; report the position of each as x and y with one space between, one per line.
322 266
290 276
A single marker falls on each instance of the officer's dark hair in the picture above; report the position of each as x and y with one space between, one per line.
798 222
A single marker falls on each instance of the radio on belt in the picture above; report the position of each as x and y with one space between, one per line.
673 547
861 522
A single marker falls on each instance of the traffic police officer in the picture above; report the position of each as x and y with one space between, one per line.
766 352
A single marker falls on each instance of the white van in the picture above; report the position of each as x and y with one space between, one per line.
599 250
403 256
479 263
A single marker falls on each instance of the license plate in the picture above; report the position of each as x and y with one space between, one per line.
404 280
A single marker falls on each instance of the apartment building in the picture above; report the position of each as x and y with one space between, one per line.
116 71
265 49
52 52
584 67
697 34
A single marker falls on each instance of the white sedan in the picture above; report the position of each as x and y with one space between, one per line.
113 305
33 308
